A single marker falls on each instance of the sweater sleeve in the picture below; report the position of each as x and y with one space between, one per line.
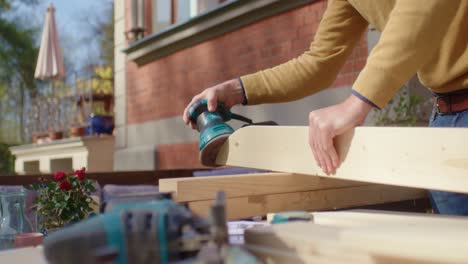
339 31
412 34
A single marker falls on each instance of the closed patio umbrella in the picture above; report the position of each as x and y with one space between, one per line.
50 67
50 61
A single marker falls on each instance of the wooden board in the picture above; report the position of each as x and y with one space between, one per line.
280 256
392 244
259 205
430 158
205 188
321 244
356 218
23 255
441 244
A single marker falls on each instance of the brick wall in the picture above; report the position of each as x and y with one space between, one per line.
174 156
161 89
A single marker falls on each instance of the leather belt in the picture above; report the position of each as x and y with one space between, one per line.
449 104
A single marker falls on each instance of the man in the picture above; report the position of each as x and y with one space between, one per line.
427 37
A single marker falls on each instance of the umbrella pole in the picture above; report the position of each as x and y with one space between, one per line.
91 115
51 107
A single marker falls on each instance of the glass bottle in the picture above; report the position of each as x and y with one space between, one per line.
12 218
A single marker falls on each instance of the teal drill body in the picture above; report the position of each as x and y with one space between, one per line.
146 232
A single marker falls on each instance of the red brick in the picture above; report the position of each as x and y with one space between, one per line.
162 88
176 156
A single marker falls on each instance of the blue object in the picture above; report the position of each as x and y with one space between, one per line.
210 124
291 216
213 132
115 236
98 124
449 203
126 232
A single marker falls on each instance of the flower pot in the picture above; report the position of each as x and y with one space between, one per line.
28 240
38 138
100 124
55 135
77 131
34 137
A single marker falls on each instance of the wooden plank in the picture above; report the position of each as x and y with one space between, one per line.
442 244
23 255
205 188
412 157
259 205
280 256
385 244
356 218
276 245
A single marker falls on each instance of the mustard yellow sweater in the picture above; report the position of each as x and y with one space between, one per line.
428 37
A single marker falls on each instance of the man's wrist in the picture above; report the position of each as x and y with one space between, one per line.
244 96
237 91
357 106
363 99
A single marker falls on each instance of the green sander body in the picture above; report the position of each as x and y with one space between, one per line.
213 128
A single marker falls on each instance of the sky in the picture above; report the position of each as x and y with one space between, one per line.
73 26
72 18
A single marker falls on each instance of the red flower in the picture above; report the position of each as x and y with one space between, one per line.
60 176
65 185
80 173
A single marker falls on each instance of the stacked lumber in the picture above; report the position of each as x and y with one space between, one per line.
257 194
363 237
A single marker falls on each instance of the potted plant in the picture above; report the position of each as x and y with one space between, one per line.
55 135
78 130
40 138
35 137
78 126
55 131
64 199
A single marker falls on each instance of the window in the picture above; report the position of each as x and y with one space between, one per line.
229 16
161 14
168 12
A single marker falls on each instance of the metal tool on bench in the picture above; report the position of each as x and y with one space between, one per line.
291 216
159 231
213 128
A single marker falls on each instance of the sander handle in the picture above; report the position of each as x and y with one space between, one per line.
241 118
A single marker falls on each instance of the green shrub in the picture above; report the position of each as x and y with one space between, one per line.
7 160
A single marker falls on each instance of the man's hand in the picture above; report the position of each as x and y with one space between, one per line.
327 123
230 93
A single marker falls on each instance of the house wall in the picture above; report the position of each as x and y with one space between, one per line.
150 98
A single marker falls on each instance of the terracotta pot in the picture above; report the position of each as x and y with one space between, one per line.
28 240
34 137
39 137
55 135
77 131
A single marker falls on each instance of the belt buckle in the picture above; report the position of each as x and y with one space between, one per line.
448 101
437 105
